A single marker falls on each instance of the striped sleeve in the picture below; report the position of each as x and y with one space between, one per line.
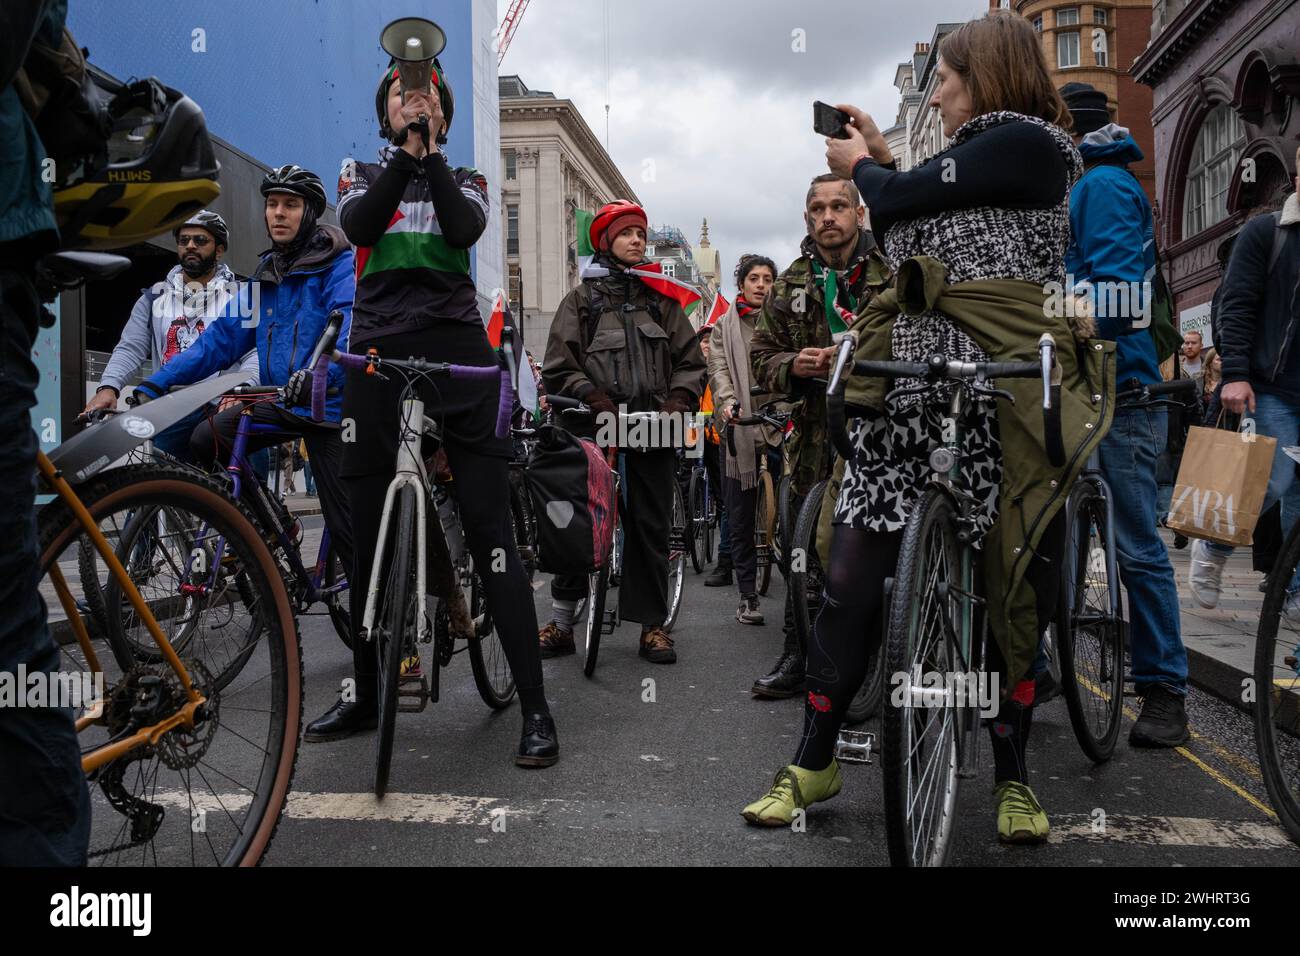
473 186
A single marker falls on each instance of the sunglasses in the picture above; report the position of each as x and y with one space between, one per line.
197 241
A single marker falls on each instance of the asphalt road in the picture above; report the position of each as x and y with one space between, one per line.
659 779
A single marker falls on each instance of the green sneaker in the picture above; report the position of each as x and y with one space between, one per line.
793 789
1020 818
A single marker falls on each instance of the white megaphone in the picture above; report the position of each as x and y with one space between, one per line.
413 42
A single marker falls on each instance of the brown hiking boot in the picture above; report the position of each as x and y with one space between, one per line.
657 646
555 641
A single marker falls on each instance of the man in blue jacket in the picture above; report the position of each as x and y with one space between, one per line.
1259 323
1112 250
306 275
44 803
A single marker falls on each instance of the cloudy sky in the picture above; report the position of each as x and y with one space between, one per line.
710 99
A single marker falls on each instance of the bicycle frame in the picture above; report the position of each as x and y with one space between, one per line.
1092 472
410 472
150 735
240 470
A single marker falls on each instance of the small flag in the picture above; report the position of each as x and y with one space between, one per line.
651 273
585 251
525 383
720 307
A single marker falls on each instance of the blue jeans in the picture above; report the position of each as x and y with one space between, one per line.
175 439
1128 456
1278 418
44 802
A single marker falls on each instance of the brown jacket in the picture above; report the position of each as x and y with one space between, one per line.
639 369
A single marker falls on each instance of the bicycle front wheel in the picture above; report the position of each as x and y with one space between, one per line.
396 607
1089 639
697 524
209 791
764 530
487 658
806 578
920 747
1277 678
676 559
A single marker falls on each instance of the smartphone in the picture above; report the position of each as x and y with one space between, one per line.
828 121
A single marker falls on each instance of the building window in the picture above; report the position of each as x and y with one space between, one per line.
1067 50
1069 17
512 229
516 292
511 172
1038 24
1218 148
650 251
670 268
1100 47
1099 15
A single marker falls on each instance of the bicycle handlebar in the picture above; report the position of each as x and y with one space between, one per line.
371 361
939 368
1170 390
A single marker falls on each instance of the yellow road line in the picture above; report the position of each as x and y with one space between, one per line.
1233 758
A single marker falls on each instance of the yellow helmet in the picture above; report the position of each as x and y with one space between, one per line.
160 170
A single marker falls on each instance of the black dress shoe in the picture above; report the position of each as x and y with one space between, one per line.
786 679
342 720
539 745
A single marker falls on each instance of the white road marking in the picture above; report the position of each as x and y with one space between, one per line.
460 810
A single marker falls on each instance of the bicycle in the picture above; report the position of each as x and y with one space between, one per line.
602 618
703 515
932 603
396 617
767 538
162 737
1277 679
1087 641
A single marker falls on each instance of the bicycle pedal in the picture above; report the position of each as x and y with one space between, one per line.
854 746
412 694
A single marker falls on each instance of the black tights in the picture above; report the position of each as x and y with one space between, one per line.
850 628
482 486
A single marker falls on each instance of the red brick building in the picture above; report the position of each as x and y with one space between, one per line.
1226 81
1096 43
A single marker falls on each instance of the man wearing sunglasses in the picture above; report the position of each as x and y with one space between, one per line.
169 317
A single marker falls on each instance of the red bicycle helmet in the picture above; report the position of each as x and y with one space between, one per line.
612 219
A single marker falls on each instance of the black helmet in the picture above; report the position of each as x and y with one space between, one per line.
160 169
444 94
300 182
209 220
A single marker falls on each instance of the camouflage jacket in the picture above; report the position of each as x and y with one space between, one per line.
794 318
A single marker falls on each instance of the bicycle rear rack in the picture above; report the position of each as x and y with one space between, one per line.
855 746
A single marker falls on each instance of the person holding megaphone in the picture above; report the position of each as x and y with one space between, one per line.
413 219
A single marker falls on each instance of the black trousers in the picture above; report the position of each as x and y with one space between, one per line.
647 512
44 802
214 440
741 505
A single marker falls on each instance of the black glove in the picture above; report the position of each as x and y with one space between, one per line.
599 402
297 391
679 402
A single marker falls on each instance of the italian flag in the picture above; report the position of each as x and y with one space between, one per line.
651 273
525 384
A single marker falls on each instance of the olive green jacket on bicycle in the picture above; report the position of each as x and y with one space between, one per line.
1005 317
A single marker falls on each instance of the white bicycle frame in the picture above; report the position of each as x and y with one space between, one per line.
410 471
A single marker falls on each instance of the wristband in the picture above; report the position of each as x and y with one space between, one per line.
117 393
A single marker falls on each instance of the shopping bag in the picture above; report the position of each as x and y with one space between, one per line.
1221 484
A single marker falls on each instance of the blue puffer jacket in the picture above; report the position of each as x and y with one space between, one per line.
293 313
1112 241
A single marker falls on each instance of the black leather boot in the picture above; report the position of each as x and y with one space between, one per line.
342 720
539 744
721 576
785 680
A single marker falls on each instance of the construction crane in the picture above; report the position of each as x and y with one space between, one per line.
508 27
